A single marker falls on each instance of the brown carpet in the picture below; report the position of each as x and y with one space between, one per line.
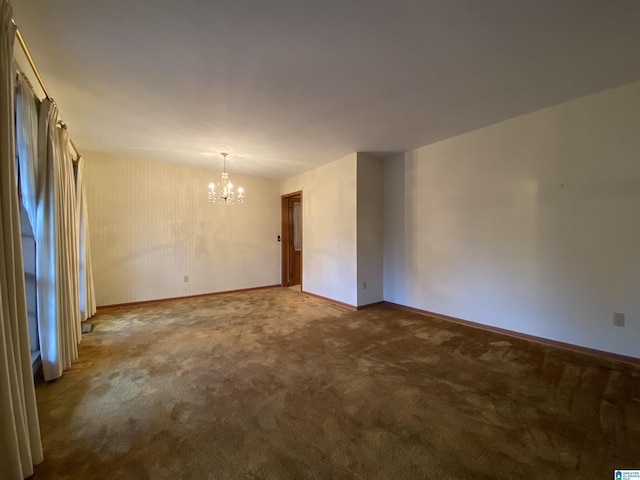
273 384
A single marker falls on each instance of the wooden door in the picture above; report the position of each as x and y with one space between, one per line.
292 239
295 243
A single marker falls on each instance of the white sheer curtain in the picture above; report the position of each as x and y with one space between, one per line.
48 327
56 248
27 146
85 280
20 445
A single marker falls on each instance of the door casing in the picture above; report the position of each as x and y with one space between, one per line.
287 202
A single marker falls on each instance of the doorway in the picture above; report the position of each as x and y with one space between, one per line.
292 239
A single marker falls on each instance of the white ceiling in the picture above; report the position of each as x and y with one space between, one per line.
286 85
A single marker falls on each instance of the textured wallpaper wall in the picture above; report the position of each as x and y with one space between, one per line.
151 227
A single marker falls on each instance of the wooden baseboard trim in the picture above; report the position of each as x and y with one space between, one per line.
370 305
144 302
342 304
331 300
523 336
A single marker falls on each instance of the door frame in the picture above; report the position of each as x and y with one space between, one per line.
284 235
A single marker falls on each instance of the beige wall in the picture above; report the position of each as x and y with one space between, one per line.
530 225
151 225
328 228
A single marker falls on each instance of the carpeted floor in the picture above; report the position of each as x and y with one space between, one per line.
274 384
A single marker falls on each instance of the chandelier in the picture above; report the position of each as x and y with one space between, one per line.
223 192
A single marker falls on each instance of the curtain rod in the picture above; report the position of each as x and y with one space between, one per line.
37 73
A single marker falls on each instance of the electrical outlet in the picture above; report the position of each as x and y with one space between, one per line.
618 319
186 279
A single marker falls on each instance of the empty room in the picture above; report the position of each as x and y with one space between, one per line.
320 240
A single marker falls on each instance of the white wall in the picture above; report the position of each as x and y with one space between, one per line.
329 260
151 224
531 225
394 233
369 218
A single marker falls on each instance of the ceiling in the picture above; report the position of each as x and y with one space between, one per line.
288 85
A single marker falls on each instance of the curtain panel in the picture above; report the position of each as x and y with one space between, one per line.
26 107
67 240
48 327
85 280
20 444
56 248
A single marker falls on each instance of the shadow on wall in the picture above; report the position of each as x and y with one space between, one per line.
393 220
